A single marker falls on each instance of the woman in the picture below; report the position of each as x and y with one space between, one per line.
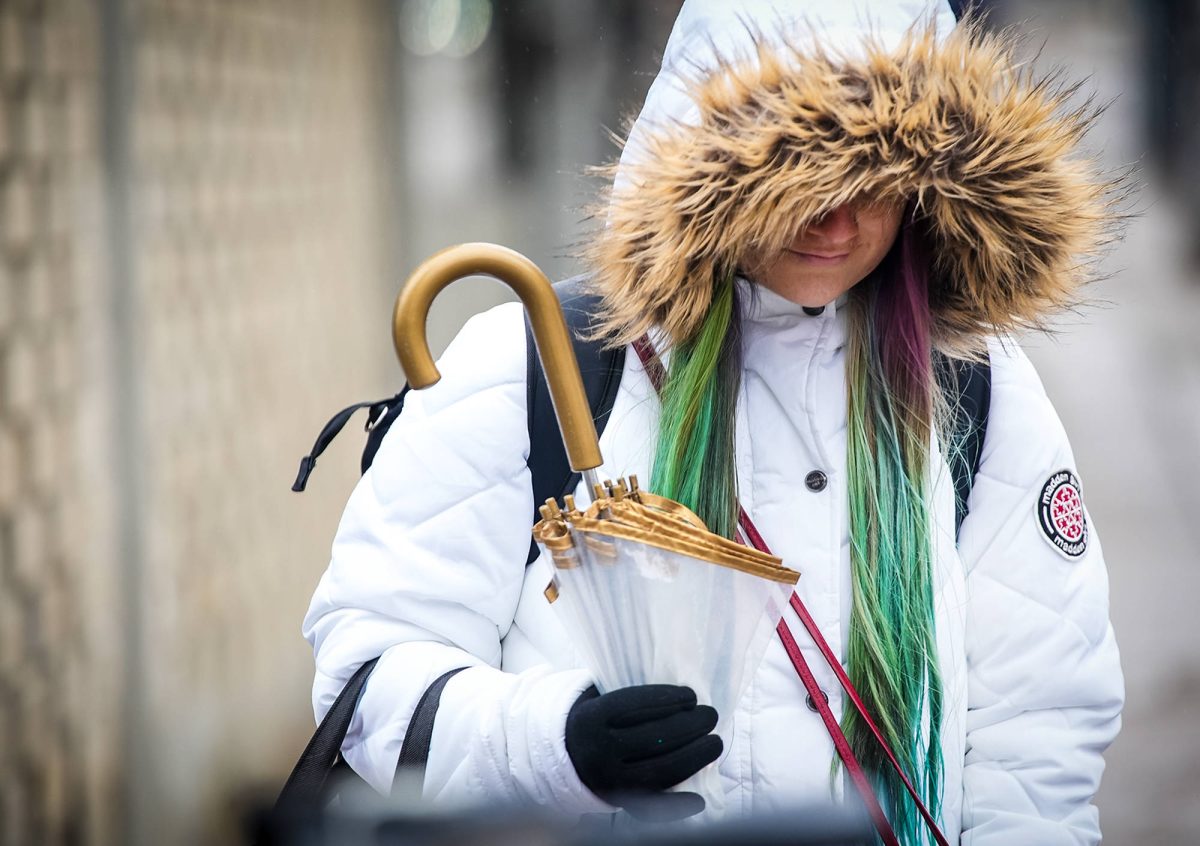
799 228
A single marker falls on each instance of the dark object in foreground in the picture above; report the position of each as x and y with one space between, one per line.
374 821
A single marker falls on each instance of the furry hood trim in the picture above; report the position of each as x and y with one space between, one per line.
986 153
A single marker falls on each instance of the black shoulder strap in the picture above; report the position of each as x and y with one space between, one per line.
601 370
968 386
306 785
380 416
414 752
309 782
552 476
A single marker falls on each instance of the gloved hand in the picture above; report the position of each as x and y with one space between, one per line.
631 744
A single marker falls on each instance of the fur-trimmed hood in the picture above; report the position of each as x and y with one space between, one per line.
768 113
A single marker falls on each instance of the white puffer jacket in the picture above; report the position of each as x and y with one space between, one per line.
428 571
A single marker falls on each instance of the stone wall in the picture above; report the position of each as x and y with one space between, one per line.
59 666
196 223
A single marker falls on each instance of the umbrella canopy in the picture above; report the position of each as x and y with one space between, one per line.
650 596
642 584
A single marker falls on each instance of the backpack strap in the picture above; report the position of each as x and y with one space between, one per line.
601 369
306 785
383 415
310 782
380 415
414 752
968 386
552 477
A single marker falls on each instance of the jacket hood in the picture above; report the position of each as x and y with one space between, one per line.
767 114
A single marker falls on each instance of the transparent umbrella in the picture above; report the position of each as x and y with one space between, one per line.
647 594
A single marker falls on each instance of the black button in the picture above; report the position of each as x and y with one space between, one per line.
813 311
812 706
816 481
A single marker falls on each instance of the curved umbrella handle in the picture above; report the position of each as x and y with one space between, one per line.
545 315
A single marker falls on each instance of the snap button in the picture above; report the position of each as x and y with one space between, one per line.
812 706
816 481
813 311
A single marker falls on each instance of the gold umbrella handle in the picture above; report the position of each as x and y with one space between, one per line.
545 315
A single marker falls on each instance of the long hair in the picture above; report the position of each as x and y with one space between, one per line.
892 401
694 458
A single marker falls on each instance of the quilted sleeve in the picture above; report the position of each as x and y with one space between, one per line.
426 571
1045 689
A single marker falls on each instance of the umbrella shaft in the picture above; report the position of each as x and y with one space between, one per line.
590 480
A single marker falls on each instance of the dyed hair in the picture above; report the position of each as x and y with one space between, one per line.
694 459
892 397
891 409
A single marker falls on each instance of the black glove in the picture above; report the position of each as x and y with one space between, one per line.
631 744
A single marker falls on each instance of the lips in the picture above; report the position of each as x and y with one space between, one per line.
819 258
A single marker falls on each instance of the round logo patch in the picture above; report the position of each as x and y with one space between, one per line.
1060 513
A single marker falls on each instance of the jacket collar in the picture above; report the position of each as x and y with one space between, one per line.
765 313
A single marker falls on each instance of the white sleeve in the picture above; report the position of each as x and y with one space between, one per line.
426 571
1045 689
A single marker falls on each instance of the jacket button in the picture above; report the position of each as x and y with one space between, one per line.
816 481
812 706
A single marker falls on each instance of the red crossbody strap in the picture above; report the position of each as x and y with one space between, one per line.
853 768
654 370
861 707
756 540
651 362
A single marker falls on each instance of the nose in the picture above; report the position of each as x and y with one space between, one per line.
837 228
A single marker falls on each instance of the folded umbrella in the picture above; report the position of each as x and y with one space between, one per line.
676 603
646 593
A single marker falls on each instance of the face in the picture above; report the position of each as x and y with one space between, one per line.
830 256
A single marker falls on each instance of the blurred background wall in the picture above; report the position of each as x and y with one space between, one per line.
206 207
198 223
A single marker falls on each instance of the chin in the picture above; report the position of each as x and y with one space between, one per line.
813 295
798 281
